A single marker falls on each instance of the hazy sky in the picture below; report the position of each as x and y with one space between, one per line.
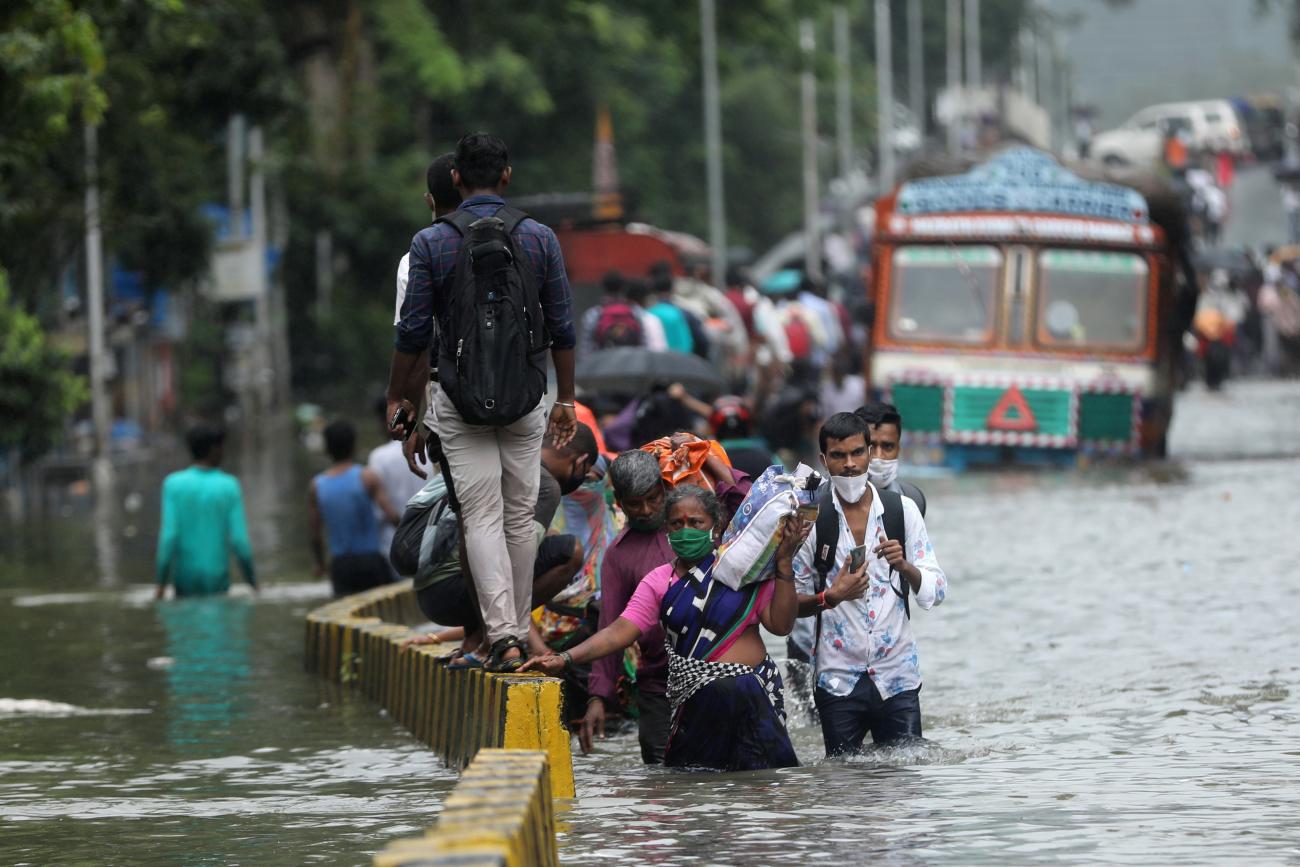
1166 50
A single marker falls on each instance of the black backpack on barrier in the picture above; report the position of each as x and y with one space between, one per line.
493 340
828 538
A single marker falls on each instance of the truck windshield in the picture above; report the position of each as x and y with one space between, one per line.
1092 299
944 294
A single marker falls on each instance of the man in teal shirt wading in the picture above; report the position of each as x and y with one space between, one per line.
202 521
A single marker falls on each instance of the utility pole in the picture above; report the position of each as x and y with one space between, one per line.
916 67
102 468
235 130
843 93
264 370
713 142
974 60
954 74
885 95
812 255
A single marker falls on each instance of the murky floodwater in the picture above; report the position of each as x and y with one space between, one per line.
1114 677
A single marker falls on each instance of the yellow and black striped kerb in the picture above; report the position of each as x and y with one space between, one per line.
357 641
500 813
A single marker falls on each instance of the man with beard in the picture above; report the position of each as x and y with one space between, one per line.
872 547
642 547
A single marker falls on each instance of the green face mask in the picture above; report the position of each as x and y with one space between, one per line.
690 544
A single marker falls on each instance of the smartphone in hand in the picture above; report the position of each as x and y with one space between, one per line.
857 557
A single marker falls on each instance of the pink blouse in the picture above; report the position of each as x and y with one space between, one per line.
642 609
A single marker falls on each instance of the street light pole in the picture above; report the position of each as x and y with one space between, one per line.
843 93
974 60
265 373
713 142
812 259
954 74
102 468
885 95
915 67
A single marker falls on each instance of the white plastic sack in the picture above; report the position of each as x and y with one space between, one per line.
749 544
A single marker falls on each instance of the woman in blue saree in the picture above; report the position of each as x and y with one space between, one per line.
725 692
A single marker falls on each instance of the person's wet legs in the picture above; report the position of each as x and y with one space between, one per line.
897 718
847 719
654 718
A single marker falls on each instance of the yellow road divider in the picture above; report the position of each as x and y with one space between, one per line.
499 814
357 641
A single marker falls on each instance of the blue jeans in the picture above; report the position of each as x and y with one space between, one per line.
846 719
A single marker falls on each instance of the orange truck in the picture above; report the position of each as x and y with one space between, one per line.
1022 314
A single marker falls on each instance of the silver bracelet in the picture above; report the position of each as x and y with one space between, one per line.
567 657
562 403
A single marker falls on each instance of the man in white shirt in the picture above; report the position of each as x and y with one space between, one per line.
388 462
442 198
868 676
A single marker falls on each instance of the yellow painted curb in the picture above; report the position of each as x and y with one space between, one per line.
500 813
357 641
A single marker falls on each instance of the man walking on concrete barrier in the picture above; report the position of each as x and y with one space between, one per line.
495 281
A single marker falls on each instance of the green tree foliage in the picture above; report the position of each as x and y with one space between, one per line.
38 391
357 97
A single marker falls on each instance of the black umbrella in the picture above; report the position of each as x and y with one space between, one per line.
634 370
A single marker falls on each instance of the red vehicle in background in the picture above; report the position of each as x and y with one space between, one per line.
593 246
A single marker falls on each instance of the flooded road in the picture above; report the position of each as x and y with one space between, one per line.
1114 677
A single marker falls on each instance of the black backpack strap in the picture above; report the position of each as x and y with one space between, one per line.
458 220
915 494
896 530
827 529
828 537
512 217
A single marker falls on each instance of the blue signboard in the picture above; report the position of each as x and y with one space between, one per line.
1022 180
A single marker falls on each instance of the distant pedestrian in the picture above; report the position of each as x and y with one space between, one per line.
504 307
442 197
341 507
1291 205
845 387
638 292
616 321
389 463
676 328
733 428
202 522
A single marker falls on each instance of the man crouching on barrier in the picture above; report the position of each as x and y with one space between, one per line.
728 712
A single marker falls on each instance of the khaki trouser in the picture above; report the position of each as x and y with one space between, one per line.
496 471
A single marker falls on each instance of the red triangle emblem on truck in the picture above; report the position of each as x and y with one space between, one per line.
1012 413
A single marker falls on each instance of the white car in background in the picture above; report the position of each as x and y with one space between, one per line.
1206 125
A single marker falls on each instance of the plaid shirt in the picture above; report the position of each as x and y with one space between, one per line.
433 258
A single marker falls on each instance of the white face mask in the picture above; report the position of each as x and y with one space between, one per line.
850 488
882 472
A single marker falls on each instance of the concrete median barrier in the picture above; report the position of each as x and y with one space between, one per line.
357 641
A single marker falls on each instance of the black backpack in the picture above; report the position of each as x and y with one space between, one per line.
493 340
828 538
913 493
